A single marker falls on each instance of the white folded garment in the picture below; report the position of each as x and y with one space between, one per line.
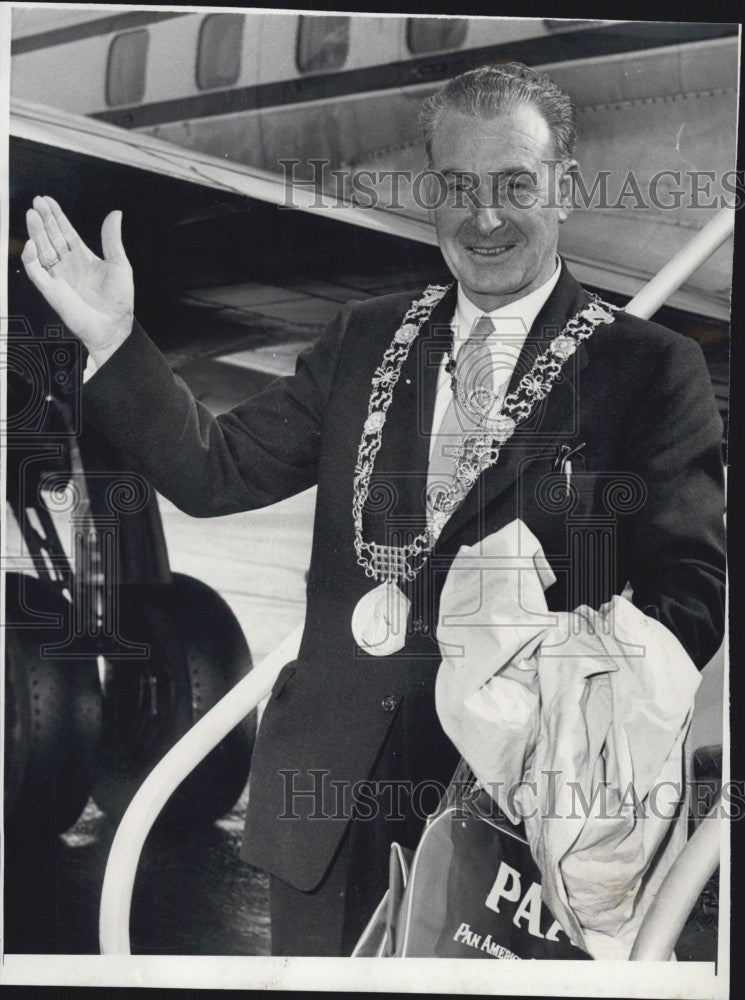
575 722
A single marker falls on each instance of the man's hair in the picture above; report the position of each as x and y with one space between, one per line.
491 90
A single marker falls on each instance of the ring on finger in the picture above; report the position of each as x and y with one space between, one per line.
51 264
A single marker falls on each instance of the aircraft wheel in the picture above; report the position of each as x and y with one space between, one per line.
196 653
52 718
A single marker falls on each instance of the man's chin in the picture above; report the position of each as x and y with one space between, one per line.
496 286
488 285
491 274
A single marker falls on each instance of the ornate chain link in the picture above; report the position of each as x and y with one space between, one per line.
478 451
384 380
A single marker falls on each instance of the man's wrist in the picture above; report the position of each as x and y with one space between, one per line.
98 356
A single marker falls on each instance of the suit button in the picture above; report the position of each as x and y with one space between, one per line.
421 626
389 703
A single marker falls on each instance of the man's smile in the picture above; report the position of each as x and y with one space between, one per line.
487 252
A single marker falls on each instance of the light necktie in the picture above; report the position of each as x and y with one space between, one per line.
467 410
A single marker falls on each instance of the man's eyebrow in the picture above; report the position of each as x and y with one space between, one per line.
457 172
505 172
521 171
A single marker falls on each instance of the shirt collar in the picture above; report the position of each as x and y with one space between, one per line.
522 312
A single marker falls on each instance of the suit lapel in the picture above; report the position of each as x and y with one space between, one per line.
548 418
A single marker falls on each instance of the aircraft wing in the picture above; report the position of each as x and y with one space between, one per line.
110 143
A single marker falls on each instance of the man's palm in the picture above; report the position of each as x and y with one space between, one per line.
93 296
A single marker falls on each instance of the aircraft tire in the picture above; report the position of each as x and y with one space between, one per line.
197 652
52 719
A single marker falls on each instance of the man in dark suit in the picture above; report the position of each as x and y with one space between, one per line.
629 431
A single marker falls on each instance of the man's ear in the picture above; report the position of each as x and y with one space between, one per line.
566 189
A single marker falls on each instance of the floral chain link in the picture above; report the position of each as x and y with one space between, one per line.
384 381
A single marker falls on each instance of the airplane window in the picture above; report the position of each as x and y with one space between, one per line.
125 72
432 34
322 44
219 53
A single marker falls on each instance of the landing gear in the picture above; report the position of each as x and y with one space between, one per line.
52 717
196 653
137 654
75 727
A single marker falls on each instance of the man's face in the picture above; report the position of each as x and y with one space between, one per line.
499 239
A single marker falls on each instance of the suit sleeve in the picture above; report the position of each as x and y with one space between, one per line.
675 541
258 453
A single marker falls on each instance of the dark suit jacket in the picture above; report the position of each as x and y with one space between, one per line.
646 508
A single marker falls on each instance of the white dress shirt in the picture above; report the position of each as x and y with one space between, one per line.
512 324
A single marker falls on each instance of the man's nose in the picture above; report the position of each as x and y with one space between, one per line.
486 219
